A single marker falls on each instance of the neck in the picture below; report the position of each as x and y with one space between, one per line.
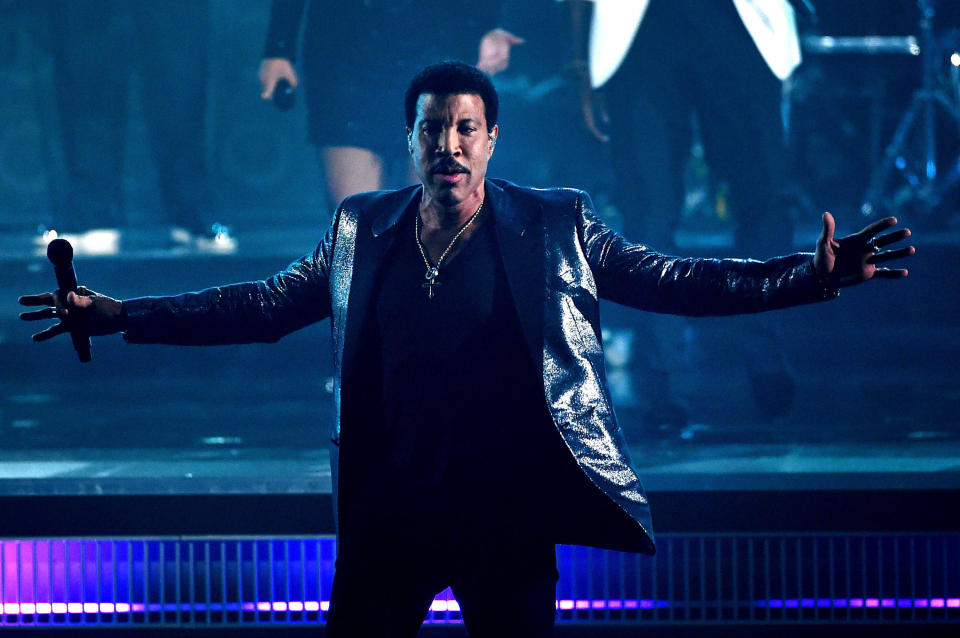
436 215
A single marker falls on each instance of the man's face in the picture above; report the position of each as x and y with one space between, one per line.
451 146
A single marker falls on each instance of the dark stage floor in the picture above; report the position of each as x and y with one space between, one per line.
876 403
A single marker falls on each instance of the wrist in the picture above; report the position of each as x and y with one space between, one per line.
827 288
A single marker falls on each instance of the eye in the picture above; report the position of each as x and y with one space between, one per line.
430 128
466 129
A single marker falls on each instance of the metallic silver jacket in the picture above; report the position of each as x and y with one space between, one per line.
560 259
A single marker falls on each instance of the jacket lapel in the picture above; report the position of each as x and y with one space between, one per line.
376 233
519 230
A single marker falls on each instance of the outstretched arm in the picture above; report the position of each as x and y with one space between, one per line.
258 311
636 276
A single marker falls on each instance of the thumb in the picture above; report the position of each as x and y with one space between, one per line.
829 226
268 88
514 39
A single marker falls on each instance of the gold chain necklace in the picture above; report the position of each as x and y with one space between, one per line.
433 271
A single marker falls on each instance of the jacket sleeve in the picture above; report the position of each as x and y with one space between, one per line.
285 17
633 275
260 311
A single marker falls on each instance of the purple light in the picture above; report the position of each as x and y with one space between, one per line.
445 605
451 605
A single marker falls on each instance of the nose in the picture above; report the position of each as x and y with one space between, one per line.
448 142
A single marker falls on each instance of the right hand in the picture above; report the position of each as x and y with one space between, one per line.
97 314
272 70
591 103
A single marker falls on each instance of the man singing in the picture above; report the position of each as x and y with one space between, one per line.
474 427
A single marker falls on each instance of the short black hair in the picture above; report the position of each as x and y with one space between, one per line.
448 78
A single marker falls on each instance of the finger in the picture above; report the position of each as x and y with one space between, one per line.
44 299
51 332
36 315
891 238
514 39
891 254
876 227
890 273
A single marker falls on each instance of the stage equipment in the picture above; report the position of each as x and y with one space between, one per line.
925 185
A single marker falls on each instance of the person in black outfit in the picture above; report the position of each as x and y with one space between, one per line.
98 47
474 427
355 61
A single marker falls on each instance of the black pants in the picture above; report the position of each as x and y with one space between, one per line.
384 584
697 59
98 47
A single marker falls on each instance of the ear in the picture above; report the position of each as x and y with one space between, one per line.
492 137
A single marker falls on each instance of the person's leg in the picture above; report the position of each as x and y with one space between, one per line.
349 170
738 105
90 55
172 40
509 591
650 104
739 109
375 596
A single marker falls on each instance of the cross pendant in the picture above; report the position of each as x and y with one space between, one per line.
430 284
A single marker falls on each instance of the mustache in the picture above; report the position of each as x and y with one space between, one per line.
448 165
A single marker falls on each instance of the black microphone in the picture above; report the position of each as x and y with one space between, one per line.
60 254
283 95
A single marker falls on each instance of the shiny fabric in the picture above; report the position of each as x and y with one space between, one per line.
560 259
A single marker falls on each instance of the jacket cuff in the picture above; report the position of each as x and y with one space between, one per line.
823 291
134 315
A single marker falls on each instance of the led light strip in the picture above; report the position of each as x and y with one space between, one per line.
296 606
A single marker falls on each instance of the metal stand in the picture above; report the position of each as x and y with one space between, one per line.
924 186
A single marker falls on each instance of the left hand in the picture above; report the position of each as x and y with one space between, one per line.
495 50
853 259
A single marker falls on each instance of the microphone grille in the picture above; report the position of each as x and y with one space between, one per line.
60 252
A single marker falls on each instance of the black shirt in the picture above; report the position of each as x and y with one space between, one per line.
462 405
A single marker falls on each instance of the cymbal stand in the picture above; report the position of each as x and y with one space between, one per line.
924 186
